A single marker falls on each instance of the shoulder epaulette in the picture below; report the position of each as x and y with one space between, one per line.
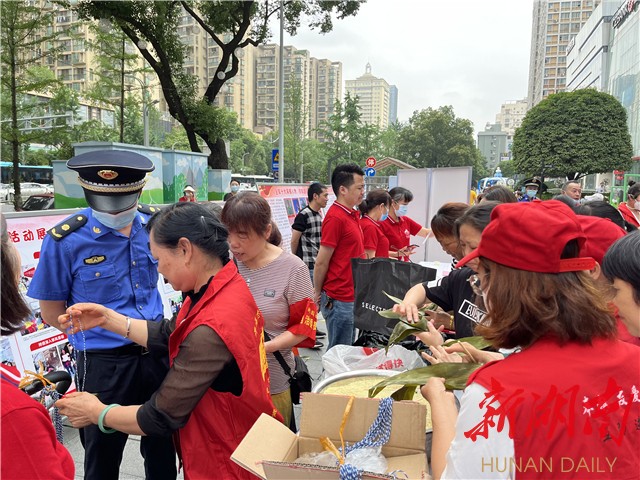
67 226
148 209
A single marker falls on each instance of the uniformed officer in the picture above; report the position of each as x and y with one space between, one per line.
101 254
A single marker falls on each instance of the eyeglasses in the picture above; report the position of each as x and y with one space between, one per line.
474 281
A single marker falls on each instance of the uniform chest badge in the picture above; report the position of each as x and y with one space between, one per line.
95 260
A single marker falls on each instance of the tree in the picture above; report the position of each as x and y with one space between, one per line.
114 62
573 134
232 25
22 28
342 131
295 125
437 138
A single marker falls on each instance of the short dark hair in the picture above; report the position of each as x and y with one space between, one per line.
14 309
399 194
443 222
499 193
567 183
634 188
622 261
602 209
194 222
342 176
247 211
477 217
315 188
375 197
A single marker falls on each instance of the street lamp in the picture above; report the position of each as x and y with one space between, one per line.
145 110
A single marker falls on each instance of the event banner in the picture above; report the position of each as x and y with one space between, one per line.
286 200
39 346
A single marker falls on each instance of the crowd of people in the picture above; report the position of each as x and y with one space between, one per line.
566 297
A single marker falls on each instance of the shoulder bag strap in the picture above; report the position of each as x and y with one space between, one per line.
279 357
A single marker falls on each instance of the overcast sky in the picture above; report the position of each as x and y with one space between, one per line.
471 54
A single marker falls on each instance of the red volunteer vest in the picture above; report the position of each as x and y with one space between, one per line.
221 420
573 409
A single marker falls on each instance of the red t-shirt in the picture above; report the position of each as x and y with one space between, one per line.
341 231
374 237
399 233
29 445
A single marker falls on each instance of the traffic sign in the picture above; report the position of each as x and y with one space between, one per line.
370 172
275 159
371 162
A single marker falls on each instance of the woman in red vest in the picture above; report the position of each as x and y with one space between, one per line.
218 384
566 405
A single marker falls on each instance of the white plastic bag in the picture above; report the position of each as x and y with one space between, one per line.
345 358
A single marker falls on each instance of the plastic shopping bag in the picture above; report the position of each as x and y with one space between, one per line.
345 358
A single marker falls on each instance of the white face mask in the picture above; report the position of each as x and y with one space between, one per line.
636 205
117 221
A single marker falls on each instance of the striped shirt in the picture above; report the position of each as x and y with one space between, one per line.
274 287
309 223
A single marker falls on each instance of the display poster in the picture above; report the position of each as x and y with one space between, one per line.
39 346
286 200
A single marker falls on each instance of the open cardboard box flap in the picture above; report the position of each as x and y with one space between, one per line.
271 442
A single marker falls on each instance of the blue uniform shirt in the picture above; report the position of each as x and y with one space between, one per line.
100 265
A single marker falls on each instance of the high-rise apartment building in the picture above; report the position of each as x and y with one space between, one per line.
555 24
373 97
492 144
326 88
511 115
319 81
393 104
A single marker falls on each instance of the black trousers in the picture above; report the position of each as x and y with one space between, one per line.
126 376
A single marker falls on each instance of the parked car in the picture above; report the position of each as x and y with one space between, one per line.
38 202
26 190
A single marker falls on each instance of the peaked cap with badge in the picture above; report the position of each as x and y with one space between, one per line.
111 179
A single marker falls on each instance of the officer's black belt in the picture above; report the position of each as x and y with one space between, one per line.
125 350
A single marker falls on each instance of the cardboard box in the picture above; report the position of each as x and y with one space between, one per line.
270 448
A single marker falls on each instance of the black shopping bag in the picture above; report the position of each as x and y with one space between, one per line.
372 277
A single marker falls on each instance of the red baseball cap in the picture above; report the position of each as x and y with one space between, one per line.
601 233
505 241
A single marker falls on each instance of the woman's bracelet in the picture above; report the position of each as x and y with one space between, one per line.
451 324
126 335
103 414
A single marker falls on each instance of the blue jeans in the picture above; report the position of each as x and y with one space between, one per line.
339 318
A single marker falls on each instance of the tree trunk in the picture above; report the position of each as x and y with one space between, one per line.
15 132
218 158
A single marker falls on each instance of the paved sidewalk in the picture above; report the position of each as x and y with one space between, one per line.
132 466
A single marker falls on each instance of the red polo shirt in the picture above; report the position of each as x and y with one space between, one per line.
399 233
341 231
374 237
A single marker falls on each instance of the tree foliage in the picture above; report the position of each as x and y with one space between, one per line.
22 39
232 25
437 138
573 134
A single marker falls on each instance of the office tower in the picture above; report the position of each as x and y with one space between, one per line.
373 97
393 104
555 24
492 144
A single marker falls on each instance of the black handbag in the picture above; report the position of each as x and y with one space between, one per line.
373 276
300 381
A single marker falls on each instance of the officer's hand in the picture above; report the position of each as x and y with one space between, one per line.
84 316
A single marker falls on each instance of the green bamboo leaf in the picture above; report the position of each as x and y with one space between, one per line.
405 393
455 375
395 299
403 330
390 314
432 307
479 342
